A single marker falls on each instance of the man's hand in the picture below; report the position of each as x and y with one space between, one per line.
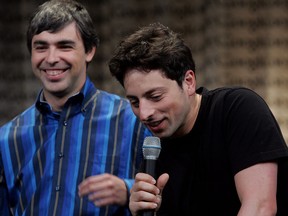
145 195
105 189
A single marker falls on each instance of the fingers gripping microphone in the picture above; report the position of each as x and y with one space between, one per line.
151 151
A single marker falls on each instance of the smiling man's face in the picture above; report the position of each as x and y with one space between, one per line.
59 61
160 103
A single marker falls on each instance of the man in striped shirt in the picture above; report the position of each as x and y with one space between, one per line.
76 150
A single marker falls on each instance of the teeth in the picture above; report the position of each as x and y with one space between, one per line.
53 72
154 124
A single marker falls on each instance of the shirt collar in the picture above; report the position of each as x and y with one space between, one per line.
78 98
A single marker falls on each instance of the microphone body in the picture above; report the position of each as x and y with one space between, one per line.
151 150
150 167
148 213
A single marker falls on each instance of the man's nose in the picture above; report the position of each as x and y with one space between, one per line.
146 111
52 56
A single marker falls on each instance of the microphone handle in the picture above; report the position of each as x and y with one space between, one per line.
150 167
148 213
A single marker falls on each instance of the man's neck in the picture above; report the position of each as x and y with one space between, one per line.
194 111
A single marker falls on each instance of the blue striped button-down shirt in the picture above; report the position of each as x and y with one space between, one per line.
45 155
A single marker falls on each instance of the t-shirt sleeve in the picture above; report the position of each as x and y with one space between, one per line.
253 134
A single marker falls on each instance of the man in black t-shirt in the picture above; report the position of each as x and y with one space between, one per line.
222 150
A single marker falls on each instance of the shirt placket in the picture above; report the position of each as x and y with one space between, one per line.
59 163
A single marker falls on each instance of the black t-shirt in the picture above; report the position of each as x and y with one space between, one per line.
234 130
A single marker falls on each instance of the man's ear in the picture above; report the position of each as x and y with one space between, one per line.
190 81
90 54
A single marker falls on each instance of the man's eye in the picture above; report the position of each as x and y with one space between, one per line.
40 47
156 97
66 47
134 103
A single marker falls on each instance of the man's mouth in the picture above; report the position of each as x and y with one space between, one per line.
155 125
54 72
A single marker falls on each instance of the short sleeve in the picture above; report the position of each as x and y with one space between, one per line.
253 134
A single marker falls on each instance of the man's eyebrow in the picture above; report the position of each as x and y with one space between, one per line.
61 42
39 42
148 93
65 42
131 97
151 91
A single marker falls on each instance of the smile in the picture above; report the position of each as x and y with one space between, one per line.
54 72
155 125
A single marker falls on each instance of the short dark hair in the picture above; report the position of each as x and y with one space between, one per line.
153 47
56 14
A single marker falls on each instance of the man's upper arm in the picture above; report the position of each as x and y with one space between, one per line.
256 187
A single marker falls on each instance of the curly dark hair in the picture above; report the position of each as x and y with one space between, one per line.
153 47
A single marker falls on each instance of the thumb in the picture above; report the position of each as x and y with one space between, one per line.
162 180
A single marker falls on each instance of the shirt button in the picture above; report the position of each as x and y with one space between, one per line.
65 123
57 188
60 155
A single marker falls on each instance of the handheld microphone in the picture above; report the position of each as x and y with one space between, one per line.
151 151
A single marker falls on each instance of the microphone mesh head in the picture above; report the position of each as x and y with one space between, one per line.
151 148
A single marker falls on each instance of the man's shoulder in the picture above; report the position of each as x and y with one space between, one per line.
112 97
229 90
17 119
232 93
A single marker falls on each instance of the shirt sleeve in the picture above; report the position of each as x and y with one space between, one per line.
4 209
129 183
253 134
